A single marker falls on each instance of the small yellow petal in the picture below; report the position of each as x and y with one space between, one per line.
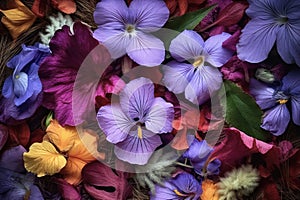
209 190
62 137
43 159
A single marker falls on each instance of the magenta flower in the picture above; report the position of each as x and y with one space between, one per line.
200 76
128 30
73 49
133 124
183 186
272 21
273 100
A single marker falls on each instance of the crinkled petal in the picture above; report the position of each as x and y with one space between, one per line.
187 45
136 98
145 49
114 40
160 116
114 123
256 41
137 150
262 94
204 82
276 120
43 159
149 16
264 10
177 76
217 55
111 14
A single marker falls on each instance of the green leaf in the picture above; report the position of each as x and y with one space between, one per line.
242 112
188 21
48 118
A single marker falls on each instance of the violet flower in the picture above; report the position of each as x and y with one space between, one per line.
15 183
21 90
273 100
198 77
183 186
272 21
198 154
128 30
133 124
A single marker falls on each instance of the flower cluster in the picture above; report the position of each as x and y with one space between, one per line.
161 99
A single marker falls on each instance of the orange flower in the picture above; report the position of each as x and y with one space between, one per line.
62 151
210 190
18 18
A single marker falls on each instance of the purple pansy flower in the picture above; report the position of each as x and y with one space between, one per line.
200 76
133 124
274 102
183 186
198 153
21 90
15 183
271 21
128 30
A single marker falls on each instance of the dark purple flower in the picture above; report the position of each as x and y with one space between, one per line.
200 77
274 102
198 153
15 183
21 90
133 124
183 186
70 75
272 21
128 30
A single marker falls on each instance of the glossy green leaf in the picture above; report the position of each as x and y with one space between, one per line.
242 112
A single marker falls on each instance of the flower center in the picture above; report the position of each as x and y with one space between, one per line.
130 28
179 193
282 101
283 20
198 61
140 131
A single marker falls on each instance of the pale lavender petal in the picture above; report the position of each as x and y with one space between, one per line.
8 89
136 98
137 150
114 40
187 45
276 120
262 94
114 123
160 116
262 10
296 109
217 55
145 49
20 86
177 76
148 15
204 82
111 14
256 41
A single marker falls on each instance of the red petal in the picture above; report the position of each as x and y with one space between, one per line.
65 6
183 6
3 135
101 182
19 135
67 190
